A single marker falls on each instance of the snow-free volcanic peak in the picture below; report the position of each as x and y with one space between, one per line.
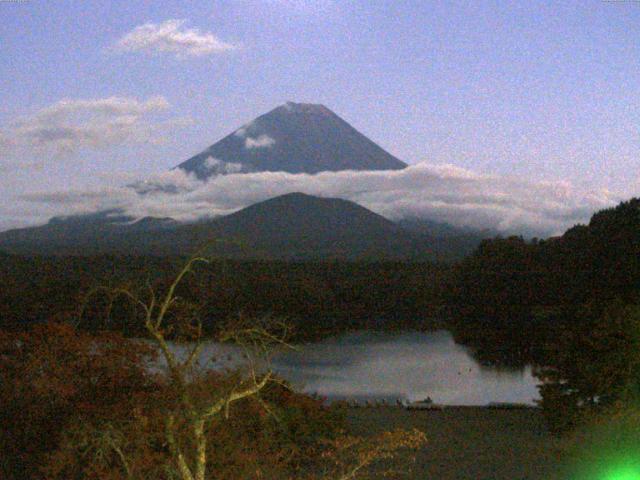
294 138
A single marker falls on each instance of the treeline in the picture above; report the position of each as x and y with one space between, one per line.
317 298
569 305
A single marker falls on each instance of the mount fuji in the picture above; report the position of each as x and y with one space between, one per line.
294 138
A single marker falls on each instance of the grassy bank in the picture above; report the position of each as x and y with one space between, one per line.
472 443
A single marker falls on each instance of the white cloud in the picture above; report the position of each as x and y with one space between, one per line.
246 129
171 181
440 192
171 37
263 141
72 124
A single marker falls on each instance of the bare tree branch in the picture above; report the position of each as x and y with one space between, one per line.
235 396
176 452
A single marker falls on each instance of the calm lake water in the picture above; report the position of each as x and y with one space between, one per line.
408 366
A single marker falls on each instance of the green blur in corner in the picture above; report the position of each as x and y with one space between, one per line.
610 450
623 472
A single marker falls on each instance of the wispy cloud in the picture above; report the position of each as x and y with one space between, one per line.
72 124
171 36
105 106
217 166
440 192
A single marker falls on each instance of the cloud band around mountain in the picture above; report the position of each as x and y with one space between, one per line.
438 192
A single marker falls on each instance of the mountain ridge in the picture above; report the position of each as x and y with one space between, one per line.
293 226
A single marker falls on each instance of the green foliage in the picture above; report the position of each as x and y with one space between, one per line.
565 304
491 297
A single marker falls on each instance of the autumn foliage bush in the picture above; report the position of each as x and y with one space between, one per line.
76 405
52 375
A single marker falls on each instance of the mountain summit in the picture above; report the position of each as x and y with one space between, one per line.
294 138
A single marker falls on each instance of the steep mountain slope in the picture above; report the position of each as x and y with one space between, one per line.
295 138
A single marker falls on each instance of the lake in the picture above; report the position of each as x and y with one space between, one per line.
389 366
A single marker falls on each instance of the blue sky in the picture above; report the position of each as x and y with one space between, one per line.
542 91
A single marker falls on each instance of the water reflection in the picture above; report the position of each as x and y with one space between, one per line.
409 366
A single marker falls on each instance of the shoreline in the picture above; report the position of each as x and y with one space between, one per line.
435 407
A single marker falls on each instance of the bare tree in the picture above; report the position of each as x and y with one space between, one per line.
195 417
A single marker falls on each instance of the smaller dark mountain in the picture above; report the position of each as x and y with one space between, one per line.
294 138
291 227
299 226
301 215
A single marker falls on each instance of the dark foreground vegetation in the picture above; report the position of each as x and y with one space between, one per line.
567 305
76 405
